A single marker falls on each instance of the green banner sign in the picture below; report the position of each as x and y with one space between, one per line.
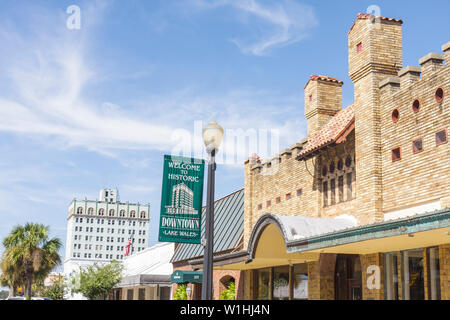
181 200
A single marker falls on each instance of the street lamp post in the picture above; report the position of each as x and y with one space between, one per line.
212 137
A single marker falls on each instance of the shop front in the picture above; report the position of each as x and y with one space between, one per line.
297 258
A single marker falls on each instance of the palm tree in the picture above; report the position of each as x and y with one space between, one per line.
30 249
12 273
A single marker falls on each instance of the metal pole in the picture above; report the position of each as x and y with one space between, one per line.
207 284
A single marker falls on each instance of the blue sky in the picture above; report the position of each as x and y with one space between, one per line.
98 107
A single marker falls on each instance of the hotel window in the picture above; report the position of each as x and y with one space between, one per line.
434 274
333 191
413 275
325 193
133 214
341 188
391 276
122 213
349 186
441 137
111 213
101 212
142 214
80 210
90 211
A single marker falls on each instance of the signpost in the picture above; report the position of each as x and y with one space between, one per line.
181 200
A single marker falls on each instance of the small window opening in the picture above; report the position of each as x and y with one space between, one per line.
417 146
396 154
395 115
359 47
416 106
441 137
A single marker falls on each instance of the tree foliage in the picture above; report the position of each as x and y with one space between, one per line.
229 293
56 291
180 293
97 280
29 256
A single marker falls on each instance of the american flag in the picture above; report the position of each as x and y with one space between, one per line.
129 246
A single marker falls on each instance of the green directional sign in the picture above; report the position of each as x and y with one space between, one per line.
181 200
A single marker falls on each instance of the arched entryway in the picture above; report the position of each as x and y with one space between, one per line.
348 277
227 283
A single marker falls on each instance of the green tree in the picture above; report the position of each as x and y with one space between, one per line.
56 291
4 294
97 281
180 293
12 274
229 293
30 250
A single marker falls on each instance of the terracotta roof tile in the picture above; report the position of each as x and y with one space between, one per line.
370 16
323 78
331 131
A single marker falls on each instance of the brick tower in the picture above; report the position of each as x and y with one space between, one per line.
375 52
323 99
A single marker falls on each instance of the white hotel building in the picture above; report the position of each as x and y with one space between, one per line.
99 230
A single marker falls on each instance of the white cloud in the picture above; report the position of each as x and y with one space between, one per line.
51 70
275 23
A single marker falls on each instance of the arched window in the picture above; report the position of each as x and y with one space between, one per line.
122 213
79 210
142 214
90 211
101 212
227 288
111 213
133 214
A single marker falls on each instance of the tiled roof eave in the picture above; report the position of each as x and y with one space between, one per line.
337 140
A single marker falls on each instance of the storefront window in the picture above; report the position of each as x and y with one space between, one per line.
391 286
263 284
281 283
300 282
434 274
413 275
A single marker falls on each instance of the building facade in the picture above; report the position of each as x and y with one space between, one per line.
99 230
146 275
360 209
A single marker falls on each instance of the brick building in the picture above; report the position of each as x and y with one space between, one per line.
360 209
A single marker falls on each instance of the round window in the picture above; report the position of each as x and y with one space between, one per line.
395 115
439 95
416 106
